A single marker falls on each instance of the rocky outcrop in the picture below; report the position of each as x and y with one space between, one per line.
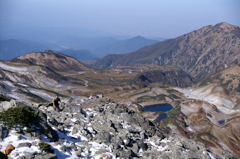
108 130
40 124
200 53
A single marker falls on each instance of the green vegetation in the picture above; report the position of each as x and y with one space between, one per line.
165 122
2 98
152 85
227 83
140 91
164 86
18 117
169 119
45 147
173 112
78 83
173 96
161 96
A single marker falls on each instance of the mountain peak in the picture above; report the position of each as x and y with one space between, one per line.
138 37
198 51
226 27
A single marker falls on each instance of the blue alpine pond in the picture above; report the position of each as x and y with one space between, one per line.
159 108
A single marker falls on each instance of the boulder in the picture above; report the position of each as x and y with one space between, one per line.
43 126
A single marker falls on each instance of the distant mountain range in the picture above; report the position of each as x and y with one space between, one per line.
79 54
124 46
93 48
79 48
13 48
200 53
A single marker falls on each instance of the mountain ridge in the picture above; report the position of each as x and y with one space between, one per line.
124 46
53 60
200 53
79 54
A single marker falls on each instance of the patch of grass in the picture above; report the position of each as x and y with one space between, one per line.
161 96
140 91
173 96
164 86
227 83
173 112
165 122
78 83
152 85
169 119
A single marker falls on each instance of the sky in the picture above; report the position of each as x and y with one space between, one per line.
148 18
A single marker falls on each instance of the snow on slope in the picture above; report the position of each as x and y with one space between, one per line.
212 94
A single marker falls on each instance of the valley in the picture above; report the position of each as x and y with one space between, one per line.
202 85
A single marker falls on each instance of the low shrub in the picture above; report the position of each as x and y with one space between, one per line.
18 117
2 98
45 147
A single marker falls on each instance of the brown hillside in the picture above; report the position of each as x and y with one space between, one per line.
53 60
228 78
200 53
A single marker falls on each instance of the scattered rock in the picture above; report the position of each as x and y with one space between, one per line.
118 132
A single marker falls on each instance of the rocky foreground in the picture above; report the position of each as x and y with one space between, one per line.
107 130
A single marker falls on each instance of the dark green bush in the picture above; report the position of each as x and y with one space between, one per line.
18 117
45 147
2 98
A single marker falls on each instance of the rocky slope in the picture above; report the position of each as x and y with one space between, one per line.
210 115
200 53
31 82
228 78
53 60
106 130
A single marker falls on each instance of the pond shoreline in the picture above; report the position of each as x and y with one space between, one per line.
162 109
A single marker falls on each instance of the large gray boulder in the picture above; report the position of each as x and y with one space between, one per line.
43 126
6 105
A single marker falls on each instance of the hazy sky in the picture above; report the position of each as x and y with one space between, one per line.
149 18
